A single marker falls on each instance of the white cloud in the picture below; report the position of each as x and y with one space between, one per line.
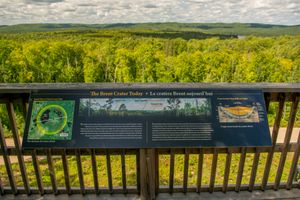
125 11
42 1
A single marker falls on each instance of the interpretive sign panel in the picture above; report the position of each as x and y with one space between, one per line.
146 118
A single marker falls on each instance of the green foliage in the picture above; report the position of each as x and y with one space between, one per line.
140 59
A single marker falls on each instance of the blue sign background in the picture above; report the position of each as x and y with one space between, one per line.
154 118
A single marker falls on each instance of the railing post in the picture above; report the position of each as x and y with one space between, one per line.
147 173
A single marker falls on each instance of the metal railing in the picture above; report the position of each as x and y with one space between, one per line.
147 161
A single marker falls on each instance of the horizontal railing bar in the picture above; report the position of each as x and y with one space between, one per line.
218 188
75 190
133 190
69 152
266 87
19 97
222 150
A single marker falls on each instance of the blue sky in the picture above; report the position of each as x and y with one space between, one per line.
133 11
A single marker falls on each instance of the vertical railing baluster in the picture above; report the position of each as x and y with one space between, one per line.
267 101
66 171
13 123
80 172
109 175
213 171
156 172
25 108
37 171
294 164
254 169
7 162
275 131
1 187
186 170
51 171
171 177
124 171
95 171
287 140
241 169
227 170
200 170
138 172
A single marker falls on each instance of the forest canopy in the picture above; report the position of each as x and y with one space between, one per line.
146 56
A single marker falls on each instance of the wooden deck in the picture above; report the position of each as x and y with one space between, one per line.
293 194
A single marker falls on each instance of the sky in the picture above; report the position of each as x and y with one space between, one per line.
286 12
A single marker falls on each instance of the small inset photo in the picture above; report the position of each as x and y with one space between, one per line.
51 120
239 113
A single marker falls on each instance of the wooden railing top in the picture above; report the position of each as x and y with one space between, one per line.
266 87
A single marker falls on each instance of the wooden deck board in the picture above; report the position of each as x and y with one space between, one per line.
293 194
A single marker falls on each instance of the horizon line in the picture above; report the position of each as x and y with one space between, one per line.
29 23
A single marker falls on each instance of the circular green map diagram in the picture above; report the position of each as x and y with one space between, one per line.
51 119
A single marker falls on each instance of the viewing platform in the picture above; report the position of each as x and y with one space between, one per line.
152 173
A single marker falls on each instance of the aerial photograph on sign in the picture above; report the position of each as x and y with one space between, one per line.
239 113
51 120
176 107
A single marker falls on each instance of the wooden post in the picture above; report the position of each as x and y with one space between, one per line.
37 171
171 177
147 173
66 171
185 170
109 173
254 169
213 171
51 171
227 170
79 170
95 172
200 170
123 163
241 169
